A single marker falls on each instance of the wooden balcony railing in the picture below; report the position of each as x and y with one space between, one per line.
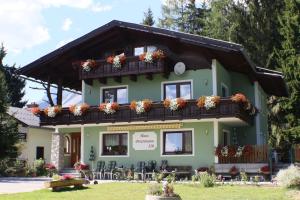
158 112
132 66
258 155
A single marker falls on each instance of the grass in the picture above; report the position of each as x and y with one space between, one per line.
137 191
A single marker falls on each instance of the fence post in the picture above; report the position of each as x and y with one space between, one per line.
270 161
292 154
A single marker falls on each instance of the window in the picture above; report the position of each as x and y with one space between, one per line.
224 90
226 138
115 144
177 142
119 95
176 90
39 153
67 145
139 50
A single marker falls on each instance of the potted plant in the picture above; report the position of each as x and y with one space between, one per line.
233 171
166 192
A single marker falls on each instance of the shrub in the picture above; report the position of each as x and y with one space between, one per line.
155 189
171 178
289 177
157 177
244 176
56 177
207 180
195 178
39 167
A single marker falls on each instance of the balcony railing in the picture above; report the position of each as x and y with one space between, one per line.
132 66
259 154
158 112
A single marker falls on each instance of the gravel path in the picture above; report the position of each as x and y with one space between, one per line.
9 185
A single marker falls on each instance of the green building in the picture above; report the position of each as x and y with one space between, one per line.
191 66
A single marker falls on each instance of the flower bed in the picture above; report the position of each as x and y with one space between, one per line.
141 106
79 110
109 108
116 61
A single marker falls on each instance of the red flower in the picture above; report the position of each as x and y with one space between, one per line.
49 166
231 151
218 151
233 170
247 151
67 177
181 103
35 110
265 169
239 98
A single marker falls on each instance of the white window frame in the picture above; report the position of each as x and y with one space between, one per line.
226 87
101 142
176 155
177 81
228 136
112 87
70 145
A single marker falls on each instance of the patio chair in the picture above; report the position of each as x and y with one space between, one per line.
110 170
98 174
164 165
140 169
150 169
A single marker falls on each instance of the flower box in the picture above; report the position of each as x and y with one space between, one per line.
56 185
152 197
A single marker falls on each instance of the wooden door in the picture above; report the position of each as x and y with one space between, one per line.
75 147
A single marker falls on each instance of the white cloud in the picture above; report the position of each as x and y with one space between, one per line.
23 25
66 24
99 7
63 42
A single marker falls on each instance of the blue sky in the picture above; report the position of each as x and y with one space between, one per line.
33 28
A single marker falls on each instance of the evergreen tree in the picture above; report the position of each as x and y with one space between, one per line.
8 126
15 85
148 18
183 15
286 127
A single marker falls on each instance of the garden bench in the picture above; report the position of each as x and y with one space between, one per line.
180 171
59 184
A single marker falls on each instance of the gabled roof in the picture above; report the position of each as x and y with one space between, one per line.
24 116
228 53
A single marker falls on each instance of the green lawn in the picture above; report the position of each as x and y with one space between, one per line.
137 191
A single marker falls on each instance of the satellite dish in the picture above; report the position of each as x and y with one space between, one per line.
179 68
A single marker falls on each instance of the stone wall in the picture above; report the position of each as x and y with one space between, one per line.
57 150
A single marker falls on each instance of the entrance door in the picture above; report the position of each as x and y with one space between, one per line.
75 147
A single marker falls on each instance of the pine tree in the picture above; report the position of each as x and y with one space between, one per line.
183 15
15 85
8 126
288 123
148 18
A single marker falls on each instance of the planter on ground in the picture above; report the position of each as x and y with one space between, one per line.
152 197
56 185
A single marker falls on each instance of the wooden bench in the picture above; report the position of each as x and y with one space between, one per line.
180 171
59 184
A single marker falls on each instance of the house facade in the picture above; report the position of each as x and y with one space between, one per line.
34 141
191 67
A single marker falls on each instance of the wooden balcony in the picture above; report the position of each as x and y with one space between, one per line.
226 109
259 154
132 67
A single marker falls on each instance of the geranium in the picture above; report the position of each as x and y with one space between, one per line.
265 169
80 166
109 108
88 65
52 111
149 57
248 149
231 151
233 170
79 110
117 61
175 104
239 151
49 166
67 177
218 151
239 98
35 110
141 106
208 102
